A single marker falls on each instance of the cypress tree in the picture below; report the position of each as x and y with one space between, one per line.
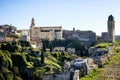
42 53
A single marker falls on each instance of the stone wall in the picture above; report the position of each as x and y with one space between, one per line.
104 36
99 55
50 33
88 36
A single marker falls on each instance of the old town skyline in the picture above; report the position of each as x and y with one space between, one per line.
83 15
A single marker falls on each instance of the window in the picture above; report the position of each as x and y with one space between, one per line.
45 30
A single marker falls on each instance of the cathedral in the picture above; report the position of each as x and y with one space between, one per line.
50 33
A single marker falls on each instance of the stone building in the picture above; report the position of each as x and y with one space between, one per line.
2 36
104 37
5 31
81 35
109 36
48 32
24 34
85 37
7 28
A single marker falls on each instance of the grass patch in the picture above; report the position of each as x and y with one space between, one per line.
51 63
93 75
102 45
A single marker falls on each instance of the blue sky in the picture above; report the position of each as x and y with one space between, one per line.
81 14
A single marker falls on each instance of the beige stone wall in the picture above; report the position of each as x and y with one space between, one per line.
50 33
46 33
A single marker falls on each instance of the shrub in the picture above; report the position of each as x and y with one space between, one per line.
10 46
19 59
5 60
53 64
93 75
117 42
38 73
102 45
15 70
1 77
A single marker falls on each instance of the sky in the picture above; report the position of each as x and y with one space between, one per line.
80 14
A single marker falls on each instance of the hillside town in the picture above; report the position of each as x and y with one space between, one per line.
53 52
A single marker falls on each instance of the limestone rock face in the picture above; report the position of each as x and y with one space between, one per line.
99 55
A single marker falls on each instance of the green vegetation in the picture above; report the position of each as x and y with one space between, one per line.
102 45
66 43
93 75
62 56
111 69
5 60
18 60
14 35
117 43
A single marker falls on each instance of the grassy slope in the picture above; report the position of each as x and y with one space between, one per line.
111 71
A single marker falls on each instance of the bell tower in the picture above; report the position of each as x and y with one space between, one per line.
32 23
31 30
111 29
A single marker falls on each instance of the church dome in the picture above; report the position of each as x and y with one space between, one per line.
110 18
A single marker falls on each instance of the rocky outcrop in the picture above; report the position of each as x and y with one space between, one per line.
100 55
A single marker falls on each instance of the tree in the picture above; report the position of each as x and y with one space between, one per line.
14 36
42 53
77 45
51 47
